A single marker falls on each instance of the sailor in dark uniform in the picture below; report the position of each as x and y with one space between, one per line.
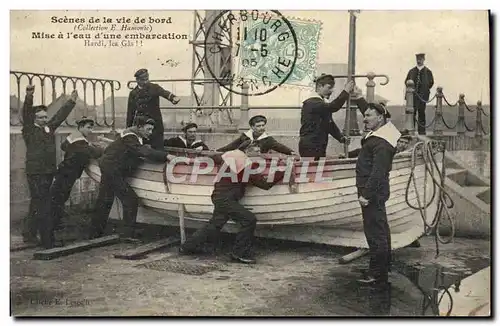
316 117
120 161
372 181
225 197
188 140
144 99
78 152
257 134
39 136
401 146
424 80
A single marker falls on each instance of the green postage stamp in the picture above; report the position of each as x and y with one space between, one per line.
252 64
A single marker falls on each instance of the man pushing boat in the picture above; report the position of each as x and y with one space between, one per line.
226 196
120 160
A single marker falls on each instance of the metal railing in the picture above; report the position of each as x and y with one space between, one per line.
438 122
97 100
57 86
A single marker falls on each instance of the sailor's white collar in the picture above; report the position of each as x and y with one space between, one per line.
71 139
388 132
128 132
324 99
249 134
184 140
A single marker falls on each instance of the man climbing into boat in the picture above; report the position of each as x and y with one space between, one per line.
144 99
257 135
119 161
78 151
39 136
316 117
373 166
226 196
188 140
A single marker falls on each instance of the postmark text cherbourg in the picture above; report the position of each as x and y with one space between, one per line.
261 41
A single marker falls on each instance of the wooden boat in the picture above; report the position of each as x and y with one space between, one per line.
325 212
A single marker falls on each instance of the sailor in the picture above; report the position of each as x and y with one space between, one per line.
403 141
78 152
316 117
225 197
334 131
119 161
424 80
188 140
144 99
372 181
401 146
257 134
39 136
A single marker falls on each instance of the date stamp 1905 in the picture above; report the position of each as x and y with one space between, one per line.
265 47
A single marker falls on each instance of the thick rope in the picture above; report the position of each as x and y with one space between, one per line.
421 99
428 125
450 105
467 107
468 129
425 150
447 126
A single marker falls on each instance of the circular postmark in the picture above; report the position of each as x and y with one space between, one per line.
259 49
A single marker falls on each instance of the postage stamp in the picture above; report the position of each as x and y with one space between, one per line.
264 44
304 71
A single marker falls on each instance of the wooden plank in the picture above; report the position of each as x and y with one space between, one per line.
76 247
353 255
143 250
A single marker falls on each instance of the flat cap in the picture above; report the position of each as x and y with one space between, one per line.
405 134
141 72
141 120
256 119
420 55
380 108
325 78
84 120
189 126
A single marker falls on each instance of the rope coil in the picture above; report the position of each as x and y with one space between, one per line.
426 151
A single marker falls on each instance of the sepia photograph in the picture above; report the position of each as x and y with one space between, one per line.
250 163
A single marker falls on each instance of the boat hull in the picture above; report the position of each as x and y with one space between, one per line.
325 212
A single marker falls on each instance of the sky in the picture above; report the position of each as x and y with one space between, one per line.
456 44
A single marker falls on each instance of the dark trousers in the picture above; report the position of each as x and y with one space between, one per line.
306 150
38 218
114 184
419 109
224 210
60 192
378 236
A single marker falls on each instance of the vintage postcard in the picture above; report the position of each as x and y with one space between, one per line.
250 163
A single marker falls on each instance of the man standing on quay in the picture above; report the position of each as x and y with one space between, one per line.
424 80
144 100
373 166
